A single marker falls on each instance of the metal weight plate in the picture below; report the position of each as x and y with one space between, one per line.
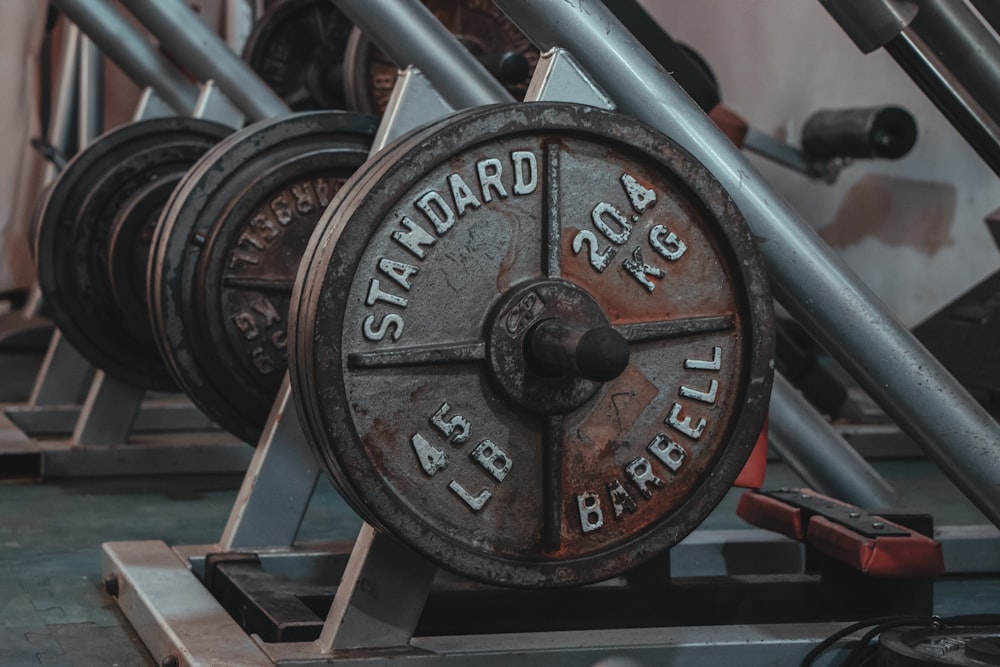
369 75
535 343
958 646
93 240
226 252
297 47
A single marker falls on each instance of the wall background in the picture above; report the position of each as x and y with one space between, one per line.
913 228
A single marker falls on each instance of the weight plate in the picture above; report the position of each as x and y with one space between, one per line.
90 241
537 343
973 646
226 252
369 74
297 47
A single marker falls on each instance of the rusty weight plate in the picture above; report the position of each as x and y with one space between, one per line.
226 252
93 236
538 343
483 29
297 47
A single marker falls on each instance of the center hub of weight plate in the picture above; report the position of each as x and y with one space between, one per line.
534 343
549 345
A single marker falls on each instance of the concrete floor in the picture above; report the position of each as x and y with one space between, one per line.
53 608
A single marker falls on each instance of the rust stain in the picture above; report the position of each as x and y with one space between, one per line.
898 211
619 408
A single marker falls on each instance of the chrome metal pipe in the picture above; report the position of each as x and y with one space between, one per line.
957 103
410 35
91 117
193 44
127 47
814 450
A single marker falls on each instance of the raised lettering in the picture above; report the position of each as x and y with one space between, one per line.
437 211
667 452
622 229
489 171
430 457
684 425
620 499
524 312
391 321
703 396
589 506
666 243
524 184
492 458
598 259
640 196
462 194
640 473
455 429
261 361
304 202
713 365
322 188
266 309
398 271
641 271
246 324
243 256
280 339
282 211
475 502
412 239
375 294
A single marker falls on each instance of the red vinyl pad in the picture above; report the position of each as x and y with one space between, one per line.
865 542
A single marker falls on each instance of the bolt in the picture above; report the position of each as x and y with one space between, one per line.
111 585
170 661
854 515
878 525
805 496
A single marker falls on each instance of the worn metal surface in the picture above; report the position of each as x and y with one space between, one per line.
447 249
226 251
960 644
369 74
297 48
91 243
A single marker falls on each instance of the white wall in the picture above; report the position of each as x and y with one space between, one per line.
913 228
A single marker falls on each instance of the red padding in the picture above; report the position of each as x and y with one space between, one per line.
912 556
771 514
752 475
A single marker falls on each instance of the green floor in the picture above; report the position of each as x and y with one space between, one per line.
54 611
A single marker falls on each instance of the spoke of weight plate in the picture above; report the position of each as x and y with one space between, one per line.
552 444
688 326
280 285
421 355
553 227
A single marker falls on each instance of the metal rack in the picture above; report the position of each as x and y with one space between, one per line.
384 587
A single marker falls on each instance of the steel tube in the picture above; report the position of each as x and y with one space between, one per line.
819 455
131 51
64 101
91 118
871 23
957 104
965 45
410 35
193 44
990 10
815 285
